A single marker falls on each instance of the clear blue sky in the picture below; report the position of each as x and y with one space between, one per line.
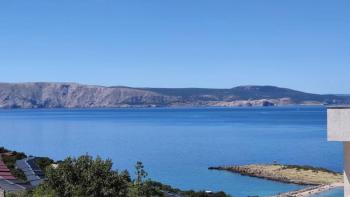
300 44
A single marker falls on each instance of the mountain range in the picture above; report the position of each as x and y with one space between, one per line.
73 95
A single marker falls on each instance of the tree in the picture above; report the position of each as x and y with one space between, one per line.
86 176
142 187
89 177
140 173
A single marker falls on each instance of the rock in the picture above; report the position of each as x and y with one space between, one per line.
72 95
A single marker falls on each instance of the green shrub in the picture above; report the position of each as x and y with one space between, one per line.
86 176
306 167
43 162
93 177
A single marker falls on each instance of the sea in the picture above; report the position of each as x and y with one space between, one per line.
177 145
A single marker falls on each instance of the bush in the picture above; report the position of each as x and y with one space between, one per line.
86 176
89 177
43 162
307 167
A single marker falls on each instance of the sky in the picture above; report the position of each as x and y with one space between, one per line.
298 44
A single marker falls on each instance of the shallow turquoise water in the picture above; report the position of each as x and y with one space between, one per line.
177 145
333 193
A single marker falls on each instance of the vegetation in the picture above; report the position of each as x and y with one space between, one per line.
302 175
10 158
43 162
307 167
191 193
94 177
248 92
86 176
3 150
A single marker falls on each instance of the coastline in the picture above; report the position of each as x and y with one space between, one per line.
317 180
263 111
310 191
73 95
163 107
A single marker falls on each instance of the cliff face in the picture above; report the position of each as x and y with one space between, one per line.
71 95
56 95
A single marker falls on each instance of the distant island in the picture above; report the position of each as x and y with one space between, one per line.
73 95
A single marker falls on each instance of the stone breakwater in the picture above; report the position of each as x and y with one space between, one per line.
261 173
310 191
317 179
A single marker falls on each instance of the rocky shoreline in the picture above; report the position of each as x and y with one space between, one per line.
310 191
246 171
317 180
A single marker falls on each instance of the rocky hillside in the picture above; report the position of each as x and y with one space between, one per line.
249 96
71 95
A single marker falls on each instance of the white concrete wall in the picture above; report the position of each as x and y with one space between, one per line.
338 129
338 124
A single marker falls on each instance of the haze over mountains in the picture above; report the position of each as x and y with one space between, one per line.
72 95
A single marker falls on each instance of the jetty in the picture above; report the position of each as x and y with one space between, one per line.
316 180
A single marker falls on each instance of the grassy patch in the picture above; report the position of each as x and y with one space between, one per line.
307 167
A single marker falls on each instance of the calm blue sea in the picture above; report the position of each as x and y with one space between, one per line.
177 145
339 192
